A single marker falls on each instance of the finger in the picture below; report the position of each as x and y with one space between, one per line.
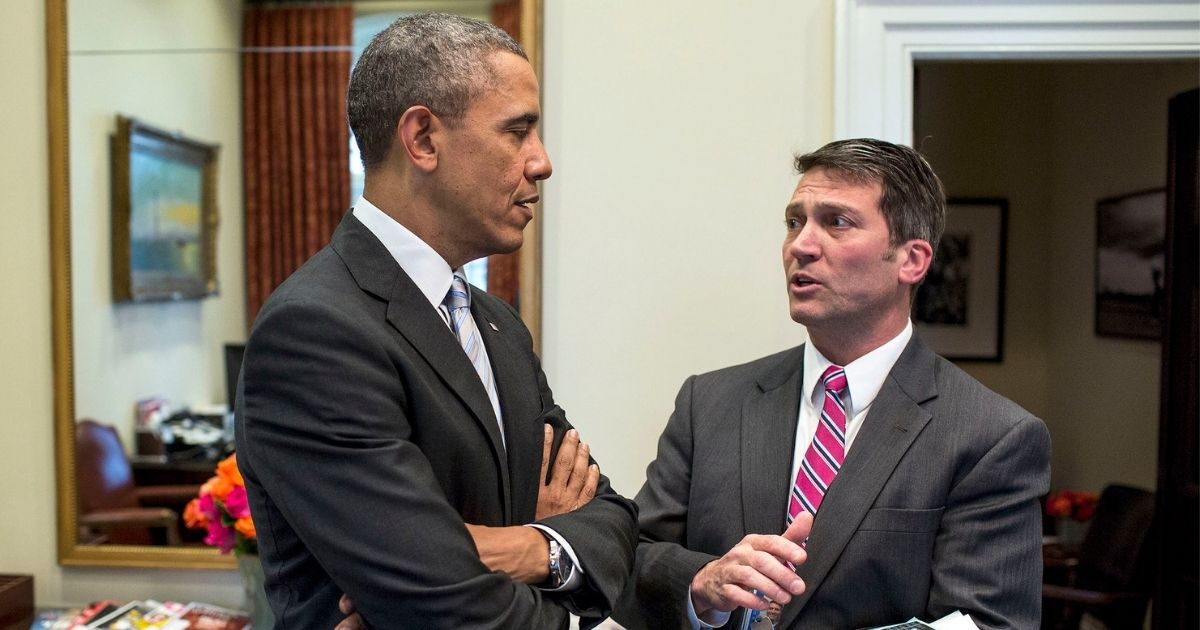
800 528
579 470
566 458
353 622
345 605
783 549
737 596
593 481
547 443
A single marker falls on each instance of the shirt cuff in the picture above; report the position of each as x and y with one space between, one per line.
716 618
575 579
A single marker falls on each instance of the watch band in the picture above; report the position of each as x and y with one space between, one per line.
556 577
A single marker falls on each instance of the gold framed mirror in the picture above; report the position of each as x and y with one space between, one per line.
68 266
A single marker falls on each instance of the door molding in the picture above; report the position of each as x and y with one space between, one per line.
877 41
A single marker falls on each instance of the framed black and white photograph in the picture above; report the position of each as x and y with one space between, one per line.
959 309
1130 280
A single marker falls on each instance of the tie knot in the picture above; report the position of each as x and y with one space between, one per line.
458 296
834 378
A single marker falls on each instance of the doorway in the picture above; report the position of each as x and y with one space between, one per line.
1055 139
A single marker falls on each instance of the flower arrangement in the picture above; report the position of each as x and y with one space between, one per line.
223 510
1077 506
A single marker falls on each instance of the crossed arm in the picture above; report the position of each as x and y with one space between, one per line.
523 552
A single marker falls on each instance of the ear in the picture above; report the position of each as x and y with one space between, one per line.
915 257
415 135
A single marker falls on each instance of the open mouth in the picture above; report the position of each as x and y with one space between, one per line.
801 282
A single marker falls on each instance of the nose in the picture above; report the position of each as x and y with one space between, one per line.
538 166
804 244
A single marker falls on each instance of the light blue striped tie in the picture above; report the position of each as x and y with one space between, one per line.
458 304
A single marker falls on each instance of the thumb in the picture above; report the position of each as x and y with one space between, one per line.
798 531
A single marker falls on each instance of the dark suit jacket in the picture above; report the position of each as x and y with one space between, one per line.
366 440
936 507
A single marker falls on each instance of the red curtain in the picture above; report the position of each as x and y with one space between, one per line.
295 139
504 269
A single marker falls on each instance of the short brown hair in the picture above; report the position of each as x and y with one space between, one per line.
913 201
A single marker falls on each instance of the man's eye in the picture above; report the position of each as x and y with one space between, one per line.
840 221
792 223
520 132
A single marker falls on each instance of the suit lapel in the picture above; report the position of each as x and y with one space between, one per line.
513 382
768 442
893 423
409 312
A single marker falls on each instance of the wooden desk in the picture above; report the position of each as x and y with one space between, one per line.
157 470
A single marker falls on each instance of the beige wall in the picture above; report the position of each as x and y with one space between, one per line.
671 131
1053 139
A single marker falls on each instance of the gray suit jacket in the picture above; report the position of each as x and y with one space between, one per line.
936 508
366 439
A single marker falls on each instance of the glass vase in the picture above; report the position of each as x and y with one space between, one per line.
256 604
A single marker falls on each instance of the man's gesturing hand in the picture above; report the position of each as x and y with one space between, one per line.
572 481
758 562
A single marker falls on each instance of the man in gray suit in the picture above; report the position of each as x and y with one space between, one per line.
392 419
925 485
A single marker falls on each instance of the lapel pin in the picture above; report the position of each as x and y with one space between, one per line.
493 327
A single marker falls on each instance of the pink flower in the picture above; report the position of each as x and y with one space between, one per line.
220 536
236 503
208 507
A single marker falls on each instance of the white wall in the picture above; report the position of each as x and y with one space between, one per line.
173 65
671 128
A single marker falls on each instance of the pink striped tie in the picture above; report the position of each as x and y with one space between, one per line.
826 453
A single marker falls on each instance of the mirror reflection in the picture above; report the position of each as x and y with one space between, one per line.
153 378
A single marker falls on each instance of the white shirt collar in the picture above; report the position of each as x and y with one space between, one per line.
864 375
431 273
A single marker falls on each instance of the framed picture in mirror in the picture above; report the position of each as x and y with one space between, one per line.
164 214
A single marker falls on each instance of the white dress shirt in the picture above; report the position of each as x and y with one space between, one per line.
433 276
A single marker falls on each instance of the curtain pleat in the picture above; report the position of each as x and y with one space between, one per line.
295 137
504 269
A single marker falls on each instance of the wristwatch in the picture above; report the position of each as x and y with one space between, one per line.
560 564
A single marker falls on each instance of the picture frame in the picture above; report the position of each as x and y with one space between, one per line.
164 214
959 309
1131 236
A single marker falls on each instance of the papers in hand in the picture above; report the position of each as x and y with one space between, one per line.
954 621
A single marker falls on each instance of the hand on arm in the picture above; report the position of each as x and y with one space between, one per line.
758 562
573 480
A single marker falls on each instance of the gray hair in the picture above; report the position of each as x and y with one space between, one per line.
913 201
431 59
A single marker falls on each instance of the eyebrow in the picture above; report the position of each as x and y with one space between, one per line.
527 118
824 205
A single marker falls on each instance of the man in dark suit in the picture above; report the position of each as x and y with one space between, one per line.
392 419
925 485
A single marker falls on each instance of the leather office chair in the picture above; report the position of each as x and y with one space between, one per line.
111 508
1112 577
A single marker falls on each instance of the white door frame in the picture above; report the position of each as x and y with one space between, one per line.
877 41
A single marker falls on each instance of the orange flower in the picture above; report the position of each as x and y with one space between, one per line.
228 471
1058 506
245 527
192 515
218 487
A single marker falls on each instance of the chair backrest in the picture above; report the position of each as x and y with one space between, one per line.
1116 552
103 476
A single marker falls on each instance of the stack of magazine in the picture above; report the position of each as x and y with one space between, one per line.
142 615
